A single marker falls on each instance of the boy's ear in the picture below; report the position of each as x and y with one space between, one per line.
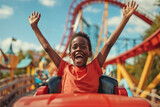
90 54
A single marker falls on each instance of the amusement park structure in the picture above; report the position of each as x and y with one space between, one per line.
9 60
150 45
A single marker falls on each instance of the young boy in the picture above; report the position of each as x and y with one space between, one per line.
81 78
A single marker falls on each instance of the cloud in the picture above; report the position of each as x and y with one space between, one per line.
90 9
18 44
147 7
137 25
134 25
5 11
48 3
57 47
114 21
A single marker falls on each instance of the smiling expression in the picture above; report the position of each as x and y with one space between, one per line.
79 51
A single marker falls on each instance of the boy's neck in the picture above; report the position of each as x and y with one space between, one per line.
80 66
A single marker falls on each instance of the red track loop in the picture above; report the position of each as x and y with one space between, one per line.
152 42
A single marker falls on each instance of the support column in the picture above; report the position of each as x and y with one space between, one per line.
105 13
119 76
81 21
33 71
126 75
28 70
75 26
105 22
151 86
146 71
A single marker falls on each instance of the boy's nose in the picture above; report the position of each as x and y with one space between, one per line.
78 48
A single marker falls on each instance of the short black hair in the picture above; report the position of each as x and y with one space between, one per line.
81 34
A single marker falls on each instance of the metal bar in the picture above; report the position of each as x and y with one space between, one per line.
145 71
125 75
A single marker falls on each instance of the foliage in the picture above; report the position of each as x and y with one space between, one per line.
157 2
5 75
141 59
153 28
20 55
19 71
1 74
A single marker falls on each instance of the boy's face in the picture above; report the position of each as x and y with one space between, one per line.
80 51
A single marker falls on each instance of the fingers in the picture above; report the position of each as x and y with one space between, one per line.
132 4
127 4
39 15
136 7
35 14
32 13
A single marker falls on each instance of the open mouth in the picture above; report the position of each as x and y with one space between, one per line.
79 57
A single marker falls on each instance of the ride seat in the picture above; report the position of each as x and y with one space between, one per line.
107 85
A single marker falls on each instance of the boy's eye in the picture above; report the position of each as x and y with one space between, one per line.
74 47
83 47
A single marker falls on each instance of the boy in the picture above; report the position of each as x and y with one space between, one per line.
81 78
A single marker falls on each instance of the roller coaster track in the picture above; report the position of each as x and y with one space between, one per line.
151 43
76 6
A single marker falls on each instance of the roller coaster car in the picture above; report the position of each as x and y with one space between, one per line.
109 95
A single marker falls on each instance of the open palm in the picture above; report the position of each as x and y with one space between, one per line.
129 9
33 20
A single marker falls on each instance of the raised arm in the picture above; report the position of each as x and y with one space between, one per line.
127 13
33 20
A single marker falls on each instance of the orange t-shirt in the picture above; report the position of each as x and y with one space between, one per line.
80 79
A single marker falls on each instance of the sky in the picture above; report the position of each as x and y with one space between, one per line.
14 21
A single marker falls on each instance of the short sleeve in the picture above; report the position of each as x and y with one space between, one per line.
61 68
97 67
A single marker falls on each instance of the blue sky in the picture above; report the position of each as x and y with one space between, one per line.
14 21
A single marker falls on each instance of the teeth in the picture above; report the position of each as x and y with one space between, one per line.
79 55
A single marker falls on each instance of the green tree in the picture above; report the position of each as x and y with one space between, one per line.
157 2
141 59
20 55
153 28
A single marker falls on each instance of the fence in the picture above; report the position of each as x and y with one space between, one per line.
20 85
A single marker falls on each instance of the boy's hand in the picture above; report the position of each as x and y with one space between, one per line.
129 9
33 20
